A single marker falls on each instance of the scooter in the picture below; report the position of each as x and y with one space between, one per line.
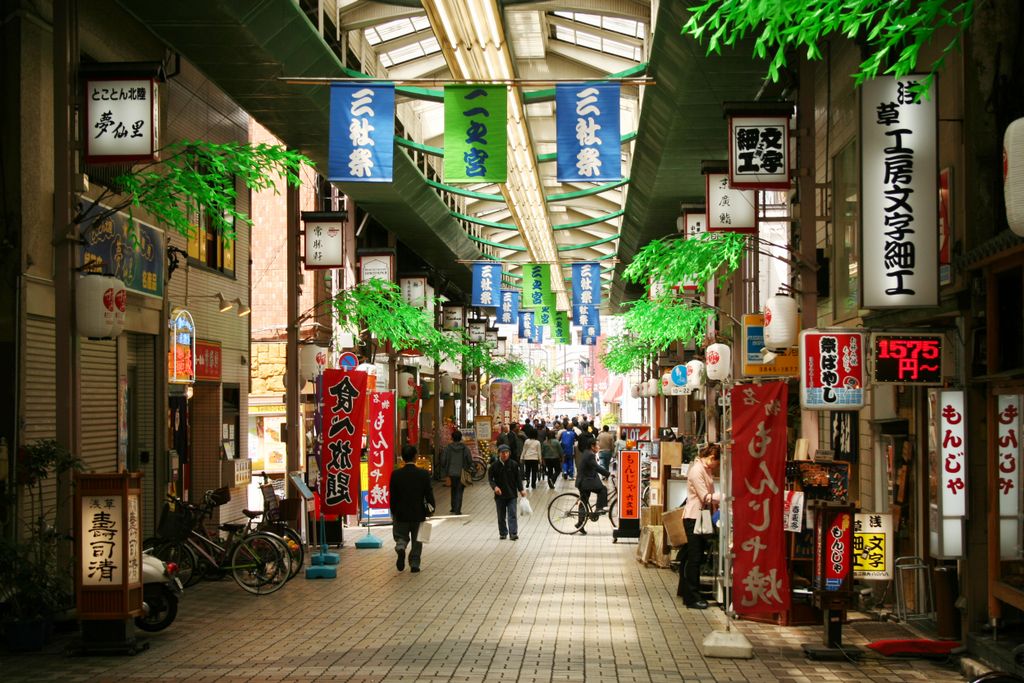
161 589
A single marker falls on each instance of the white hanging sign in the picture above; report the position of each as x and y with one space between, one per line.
729 209
899 191
414 291
453 317
324 240
759 152
120 120
947 466
1008 422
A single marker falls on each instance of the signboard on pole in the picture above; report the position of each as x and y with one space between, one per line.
831 370
629 495
873 544
344 405
380 454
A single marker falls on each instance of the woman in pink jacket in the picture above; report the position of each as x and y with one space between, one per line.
701 494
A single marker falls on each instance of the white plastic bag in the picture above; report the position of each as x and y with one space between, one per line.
525 509
423 534
704 526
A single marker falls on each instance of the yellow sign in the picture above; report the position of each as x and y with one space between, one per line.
786 363
872 551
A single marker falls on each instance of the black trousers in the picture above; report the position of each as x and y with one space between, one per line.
691 557
551 470
531 472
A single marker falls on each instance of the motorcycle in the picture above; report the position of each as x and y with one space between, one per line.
161 589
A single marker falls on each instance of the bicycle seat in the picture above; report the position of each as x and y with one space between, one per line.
231 528
252 514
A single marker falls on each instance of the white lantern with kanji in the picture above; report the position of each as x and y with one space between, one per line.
120 305
447 385
652 387
719 362
695 374
780 322
634 390
1013 175
406 384
94 308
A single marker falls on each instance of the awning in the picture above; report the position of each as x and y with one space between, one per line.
614 392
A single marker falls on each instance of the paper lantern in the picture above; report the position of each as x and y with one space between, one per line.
695 374
1013 175
406 384
652 387
447 385
780 322
634 390
666 384
94 307
120 305
719 362
312 360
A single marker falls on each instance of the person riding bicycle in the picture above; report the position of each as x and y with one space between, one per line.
588 480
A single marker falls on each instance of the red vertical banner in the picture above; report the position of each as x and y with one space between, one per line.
838 548
759 578
344 400
380 450
629 495
412 417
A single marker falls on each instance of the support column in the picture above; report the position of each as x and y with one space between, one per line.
807 226
291 373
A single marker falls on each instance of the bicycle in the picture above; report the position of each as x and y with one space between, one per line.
568 513
273 523
258 561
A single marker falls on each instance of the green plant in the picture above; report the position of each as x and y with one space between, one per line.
36 569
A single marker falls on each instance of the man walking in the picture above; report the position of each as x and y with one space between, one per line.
506 478
605 446
454 460
411 496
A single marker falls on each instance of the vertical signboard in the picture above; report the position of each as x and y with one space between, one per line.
121 120
899 194
760 577
486 283
695 224
729 209
629 494
324 233
475 134
873 544
508 310
831 370
344 404
586 284
759 152
380 453
537 285
361 138
947 472
587 132
453 317
526 320
1008 421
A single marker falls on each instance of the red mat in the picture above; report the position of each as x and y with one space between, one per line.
914 647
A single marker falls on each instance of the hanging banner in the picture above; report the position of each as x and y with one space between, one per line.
475 134
344 401
873 544
695 224
412 422
760 578
947 468
361 142
486 284
560 327
899 195
793 512
586 340
380 451
110 246
543 318
537 333
587 123
831 370
537 285
586 284
500 401
1008 487
453 318
594 328
583 315
759 152
729 209
508 308
526 319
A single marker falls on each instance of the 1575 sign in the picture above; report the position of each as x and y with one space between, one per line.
907 358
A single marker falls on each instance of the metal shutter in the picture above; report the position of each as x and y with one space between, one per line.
98 367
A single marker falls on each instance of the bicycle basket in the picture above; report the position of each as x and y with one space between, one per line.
271 503
175 524
220 496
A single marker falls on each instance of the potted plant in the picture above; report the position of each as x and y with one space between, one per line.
36 570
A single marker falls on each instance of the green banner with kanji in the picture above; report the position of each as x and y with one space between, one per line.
560 327
537 286
544 316
475 134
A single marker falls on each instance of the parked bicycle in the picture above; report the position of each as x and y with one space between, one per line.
569 514
258 561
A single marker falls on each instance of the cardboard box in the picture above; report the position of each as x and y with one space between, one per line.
655 515
660 555
645 517
645 547
671 453
674 530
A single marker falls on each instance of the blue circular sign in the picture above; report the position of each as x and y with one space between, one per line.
679 375
348 361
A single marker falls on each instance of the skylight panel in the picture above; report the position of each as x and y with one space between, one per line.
395 29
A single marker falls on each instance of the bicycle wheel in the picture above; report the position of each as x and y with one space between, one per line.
285 546
296 549
189 570
257 564
613 512
567 514
479 470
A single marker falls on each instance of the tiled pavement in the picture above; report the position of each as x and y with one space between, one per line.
544 608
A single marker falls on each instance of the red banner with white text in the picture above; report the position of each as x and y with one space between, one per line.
759 579
412 417
344 403
380 450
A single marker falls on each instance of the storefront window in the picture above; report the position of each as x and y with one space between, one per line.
846 213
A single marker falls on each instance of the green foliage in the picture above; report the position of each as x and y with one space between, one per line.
197 177
895 30
650 326
380 308
674 260
538 387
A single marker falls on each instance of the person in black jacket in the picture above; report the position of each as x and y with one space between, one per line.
456 458
412 495
588 480
506 477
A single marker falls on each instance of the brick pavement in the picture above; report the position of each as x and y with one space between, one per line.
544 609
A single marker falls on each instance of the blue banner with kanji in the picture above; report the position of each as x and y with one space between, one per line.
508 308
526 320
586 284
486 284
587 120
537 333
591 331
583 315
588 341
361 142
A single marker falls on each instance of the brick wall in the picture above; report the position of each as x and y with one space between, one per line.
268 361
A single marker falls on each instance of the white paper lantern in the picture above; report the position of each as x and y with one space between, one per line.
406 384
695 374
312 360
634 390
666 384
652 387
120 305
719 362
447 385
1013 175
94 308
780 322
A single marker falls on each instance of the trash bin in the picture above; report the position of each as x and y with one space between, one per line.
947 617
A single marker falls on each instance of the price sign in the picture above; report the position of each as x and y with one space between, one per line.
907 358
